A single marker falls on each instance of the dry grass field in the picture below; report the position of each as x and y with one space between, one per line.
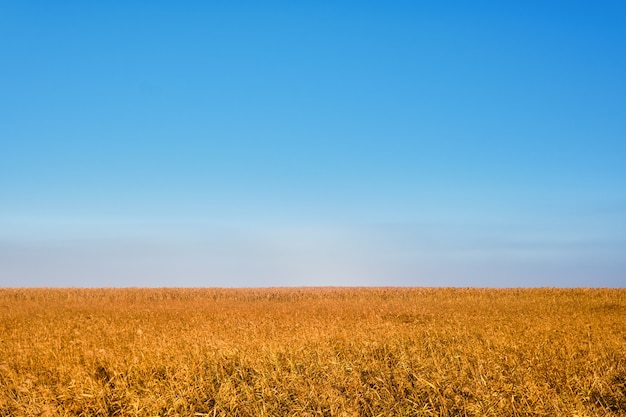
312 352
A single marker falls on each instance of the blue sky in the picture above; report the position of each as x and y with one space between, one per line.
329 143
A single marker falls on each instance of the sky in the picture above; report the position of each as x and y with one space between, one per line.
344 143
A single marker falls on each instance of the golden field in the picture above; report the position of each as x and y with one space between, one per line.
312 352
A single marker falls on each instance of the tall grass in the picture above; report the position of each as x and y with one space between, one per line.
312 352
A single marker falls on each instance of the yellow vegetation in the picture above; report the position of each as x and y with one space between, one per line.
306 352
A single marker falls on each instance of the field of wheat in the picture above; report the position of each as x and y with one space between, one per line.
312 352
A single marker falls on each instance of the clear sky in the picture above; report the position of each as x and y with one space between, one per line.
313 143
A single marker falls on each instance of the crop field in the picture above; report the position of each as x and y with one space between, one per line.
312 352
